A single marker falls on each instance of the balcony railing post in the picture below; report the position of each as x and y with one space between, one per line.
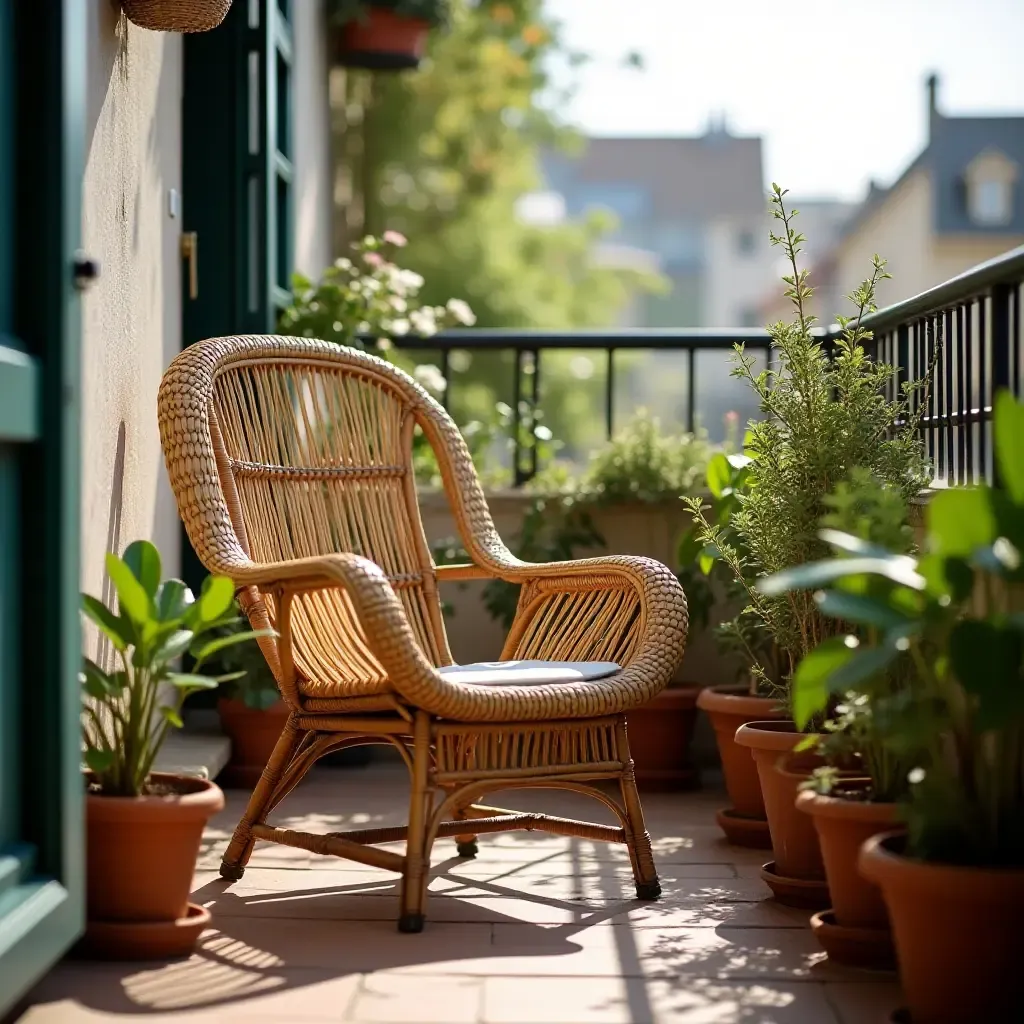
609 395
518 478
445 370
534 406
691 391
1000 347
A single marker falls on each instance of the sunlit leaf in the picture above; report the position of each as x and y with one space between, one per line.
896 568
810 687
172 716
858 609
192 681
132 598
143 559
1008 427
173 599
719 475
216 597
960 520
116 630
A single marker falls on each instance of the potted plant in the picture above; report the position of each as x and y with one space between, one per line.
953 880
384 35
143 828
824 415
846 813
742 638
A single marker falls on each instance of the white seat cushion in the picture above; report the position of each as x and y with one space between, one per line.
528 673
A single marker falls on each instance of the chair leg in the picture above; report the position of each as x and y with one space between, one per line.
641 856
417 853
240 848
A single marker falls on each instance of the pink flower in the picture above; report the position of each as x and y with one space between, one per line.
373 259
395 238
732 416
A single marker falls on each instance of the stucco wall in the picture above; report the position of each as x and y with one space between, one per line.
131 323
312 138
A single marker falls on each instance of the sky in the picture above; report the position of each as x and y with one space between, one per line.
834 87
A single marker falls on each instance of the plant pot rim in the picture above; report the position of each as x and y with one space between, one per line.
202 800
884 853
823 805
735 699
776 735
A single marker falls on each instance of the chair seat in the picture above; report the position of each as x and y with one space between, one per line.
528 673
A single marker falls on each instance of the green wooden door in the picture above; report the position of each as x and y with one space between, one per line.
42 90
237 183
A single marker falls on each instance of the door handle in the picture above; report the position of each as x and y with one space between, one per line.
190 252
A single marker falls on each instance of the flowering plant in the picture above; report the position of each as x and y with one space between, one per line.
368 295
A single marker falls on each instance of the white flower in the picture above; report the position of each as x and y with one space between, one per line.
408 279
424 321
343 263
430 377
399 327
461 311
915 776
398 304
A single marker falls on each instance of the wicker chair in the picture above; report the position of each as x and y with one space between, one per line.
291 463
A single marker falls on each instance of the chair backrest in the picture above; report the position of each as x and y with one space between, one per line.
311 448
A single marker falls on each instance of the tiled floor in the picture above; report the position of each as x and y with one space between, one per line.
538 930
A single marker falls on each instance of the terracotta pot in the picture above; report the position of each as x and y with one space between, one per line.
729 707
382 40
843 823
253 734
141 851
794 841
957 932
660 734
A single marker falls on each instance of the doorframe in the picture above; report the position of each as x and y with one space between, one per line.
49 165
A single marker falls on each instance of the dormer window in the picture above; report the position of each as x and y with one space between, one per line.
990 180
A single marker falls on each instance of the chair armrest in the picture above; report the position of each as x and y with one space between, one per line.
641 623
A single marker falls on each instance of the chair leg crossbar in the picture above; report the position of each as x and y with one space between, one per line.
456 814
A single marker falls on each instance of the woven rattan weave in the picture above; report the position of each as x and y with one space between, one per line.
291 462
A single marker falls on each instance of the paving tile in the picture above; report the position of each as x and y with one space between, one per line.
202 987
415 1000
866 1001
634 1001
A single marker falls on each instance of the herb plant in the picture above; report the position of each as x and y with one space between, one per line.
825 415
129 709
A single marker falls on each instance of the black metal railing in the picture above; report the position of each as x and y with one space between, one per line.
527 348
970 325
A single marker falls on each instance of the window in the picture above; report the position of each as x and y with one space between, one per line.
745 242
991 201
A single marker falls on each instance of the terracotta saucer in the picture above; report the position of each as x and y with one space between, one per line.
144 940
743 831
811 893
856 947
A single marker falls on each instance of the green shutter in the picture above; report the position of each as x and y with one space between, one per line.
41 795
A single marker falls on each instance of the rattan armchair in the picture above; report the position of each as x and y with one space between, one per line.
291 462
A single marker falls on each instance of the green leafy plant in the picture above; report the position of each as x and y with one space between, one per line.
825 415
435 12
367 295
639 464
129 709
247 675
955 615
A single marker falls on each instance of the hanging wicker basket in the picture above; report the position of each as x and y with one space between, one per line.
176 15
